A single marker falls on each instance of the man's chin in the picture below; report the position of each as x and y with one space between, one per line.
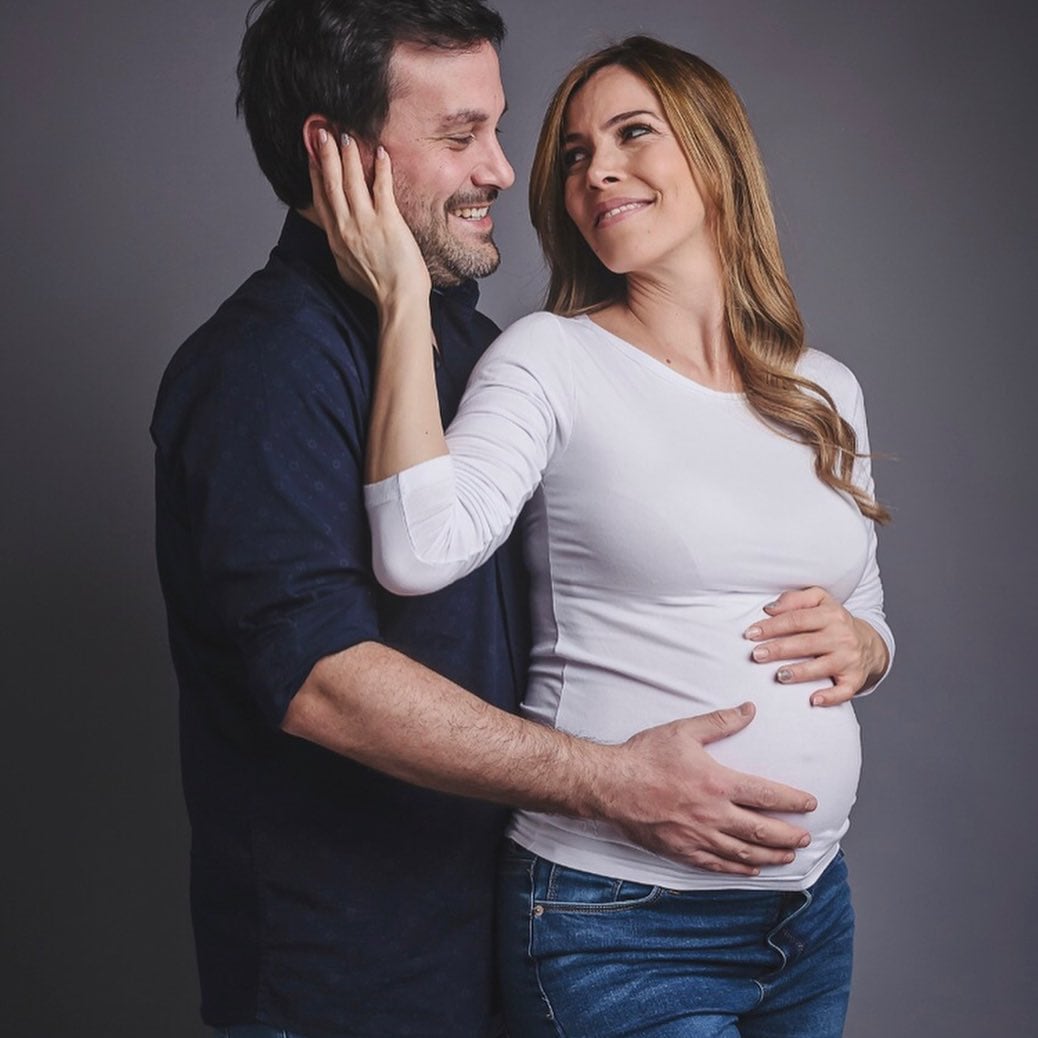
452 266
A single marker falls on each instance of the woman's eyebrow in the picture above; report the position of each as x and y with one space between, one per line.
613 120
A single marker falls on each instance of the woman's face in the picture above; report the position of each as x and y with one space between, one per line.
628 186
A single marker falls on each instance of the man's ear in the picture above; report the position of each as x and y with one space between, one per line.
313 124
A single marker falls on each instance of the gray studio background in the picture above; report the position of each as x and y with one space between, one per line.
900 143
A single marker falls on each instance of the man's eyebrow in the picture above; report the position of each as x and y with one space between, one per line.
466 117
618 118
463 117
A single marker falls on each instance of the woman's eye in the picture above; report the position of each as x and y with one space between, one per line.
572 157
634 130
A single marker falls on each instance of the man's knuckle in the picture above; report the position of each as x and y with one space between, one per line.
719 720
766 796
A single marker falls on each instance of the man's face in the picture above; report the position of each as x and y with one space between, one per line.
448 167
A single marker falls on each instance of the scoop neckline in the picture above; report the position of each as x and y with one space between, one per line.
657 367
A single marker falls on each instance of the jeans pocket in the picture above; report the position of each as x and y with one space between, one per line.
561 889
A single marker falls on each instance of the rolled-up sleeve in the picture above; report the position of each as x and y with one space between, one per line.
266 449
439 520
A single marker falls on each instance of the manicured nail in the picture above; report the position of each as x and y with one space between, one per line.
818 700
809 805
805 840
784 674
380 152
771 605
322 136
345 140
745 708
790 858
761 653
753 633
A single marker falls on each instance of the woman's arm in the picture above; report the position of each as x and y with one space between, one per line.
849 643
377 255
435 514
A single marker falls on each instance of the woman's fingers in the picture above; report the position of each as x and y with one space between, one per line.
333 196
801 598
382 186
375 252
354 187
811 627
318 182
841 692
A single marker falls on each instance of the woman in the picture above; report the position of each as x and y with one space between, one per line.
687 461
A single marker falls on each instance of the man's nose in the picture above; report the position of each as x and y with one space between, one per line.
495 170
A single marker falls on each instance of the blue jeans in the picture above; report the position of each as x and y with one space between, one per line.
585 956
260 1031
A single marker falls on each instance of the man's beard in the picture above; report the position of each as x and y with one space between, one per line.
449 259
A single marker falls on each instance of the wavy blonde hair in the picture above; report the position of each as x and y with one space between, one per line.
710 124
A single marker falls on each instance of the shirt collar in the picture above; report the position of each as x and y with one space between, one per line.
465 294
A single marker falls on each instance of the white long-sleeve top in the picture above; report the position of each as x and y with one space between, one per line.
662 517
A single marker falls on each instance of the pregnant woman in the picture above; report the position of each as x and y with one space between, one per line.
695 480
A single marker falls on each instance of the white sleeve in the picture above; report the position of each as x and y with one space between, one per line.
866 600
439 520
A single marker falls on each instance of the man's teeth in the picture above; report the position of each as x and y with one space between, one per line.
472 214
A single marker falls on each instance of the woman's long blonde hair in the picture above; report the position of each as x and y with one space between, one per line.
710 124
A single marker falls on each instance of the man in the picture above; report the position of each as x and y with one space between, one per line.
339 885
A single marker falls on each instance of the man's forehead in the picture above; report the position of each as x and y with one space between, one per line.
446 87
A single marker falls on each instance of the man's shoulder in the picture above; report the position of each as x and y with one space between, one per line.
283 309
284 327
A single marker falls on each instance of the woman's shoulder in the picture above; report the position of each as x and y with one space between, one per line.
832 375
539 325
538 340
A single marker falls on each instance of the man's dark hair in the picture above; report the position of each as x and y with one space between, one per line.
331 57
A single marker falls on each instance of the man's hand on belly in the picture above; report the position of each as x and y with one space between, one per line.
669 795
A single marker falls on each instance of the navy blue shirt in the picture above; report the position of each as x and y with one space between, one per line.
327 898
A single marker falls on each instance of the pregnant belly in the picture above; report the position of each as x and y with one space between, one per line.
815 749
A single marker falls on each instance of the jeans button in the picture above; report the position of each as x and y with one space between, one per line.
538 910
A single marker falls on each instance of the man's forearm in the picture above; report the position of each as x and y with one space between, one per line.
661 787
381 708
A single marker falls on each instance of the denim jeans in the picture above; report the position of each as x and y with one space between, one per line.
585 956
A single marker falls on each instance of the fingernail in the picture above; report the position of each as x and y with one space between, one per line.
345 140
805 841
322 136
791 857
746 708
784 674
809 805
761 653
770 605
753 633
818 700
381 152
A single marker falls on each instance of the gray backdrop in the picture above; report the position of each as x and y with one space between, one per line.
900 142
